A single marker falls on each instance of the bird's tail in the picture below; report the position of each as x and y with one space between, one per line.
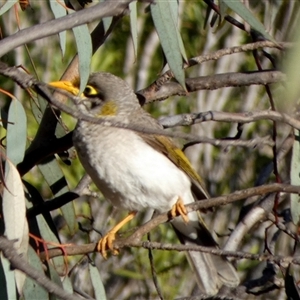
211 271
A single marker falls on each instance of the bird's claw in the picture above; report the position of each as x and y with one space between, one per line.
178 209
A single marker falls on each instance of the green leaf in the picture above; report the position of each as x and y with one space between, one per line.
16 132
14 215
67 284
31 289
295 179
98 286
248 16
133 26
7 5
106 21
59 11
175 11
54 278
223 7
3 290
84 49
163 18
47 234
10 284
58 184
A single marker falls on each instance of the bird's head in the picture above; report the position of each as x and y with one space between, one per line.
104 95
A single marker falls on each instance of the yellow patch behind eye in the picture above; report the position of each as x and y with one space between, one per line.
108 109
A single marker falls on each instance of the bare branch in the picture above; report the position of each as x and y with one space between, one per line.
136 237
105 9
217 81
219 116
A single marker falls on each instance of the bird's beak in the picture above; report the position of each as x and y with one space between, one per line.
66 85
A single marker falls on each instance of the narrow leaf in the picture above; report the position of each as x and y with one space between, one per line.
58 184
31 289
295 179
84 49
248 16
98 286
16 132
6 6
162 15
106 21
133 26
174 6
59 11
14 215
9 277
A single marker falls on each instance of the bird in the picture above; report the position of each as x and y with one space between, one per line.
135 170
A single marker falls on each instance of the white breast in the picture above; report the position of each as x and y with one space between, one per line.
128 171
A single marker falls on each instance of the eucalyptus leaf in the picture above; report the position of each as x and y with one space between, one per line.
84 49
16 132
295 179
31 289
7 6
10 284
98 286
59 11
238 7
14 215
163 18
58 184
133 26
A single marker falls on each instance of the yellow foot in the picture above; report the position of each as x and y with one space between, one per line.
179 209
107 241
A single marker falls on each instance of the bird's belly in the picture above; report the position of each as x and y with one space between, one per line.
130 173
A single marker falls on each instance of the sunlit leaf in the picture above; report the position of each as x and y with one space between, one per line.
162 15
238 7
295 179
106 21
59 11
14 215
84 49
133 25
16 132
9 283
7 5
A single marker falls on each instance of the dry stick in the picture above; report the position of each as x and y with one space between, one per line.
219 116
17 262
215 56
136 237
217 81
105 9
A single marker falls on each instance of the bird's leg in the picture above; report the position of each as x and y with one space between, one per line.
178 209
107 241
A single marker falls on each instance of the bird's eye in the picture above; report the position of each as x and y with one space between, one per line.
90 91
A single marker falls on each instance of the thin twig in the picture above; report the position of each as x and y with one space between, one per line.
162 218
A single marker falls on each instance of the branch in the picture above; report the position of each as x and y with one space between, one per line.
220 53
219 116
105 9
237 79
136 237
17 262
